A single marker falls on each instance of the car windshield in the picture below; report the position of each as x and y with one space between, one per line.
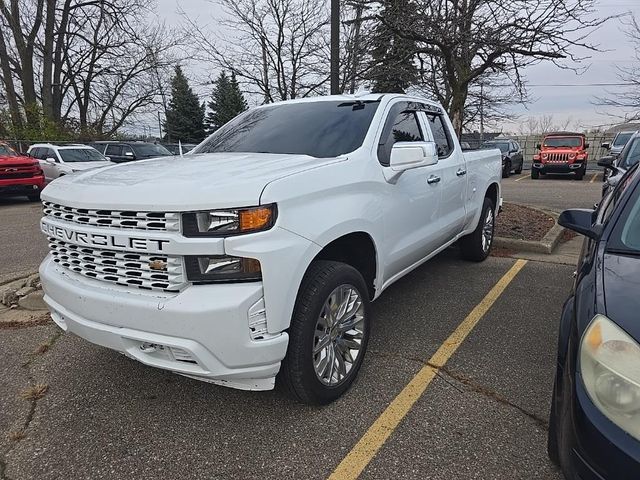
631 154
621 139
319 129
6 151
503 146
563 142
625 237
81 155
150 150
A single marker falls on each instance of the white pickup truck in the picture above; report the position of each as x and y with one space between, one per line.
258 254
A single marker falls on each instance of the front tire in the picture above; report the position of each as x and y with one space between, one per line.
477 245
535 174
329 333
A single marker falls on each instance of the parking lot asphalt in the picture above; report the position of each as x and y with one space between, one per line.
22 246
554 192
483 416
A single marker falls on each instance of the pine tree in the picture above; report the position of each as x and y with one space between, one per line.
226 102
392 69
185 115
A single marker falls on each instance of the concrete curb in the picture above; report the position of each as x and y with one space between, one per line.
546 245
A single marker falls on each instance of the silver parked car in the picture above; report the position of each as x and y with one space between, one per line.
615 167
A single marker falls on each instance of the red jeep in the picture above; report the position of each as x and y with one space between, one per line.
561 152
19 174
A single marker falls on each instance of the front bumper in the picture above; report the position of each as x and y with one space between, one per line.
21 186
602 450
202 332
558 167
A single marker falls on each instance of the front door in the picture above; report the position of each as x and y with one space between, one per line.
411 203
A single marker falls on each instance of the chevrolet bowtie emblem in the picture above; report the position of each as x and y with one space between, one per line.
158 265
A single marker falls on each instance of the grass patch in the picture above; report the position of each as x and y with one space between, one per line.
35 392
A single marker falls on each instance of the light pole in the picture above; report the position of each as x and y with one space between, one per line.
335 47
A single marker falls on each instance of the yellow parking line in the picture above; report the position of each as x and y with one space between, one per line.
374 438
593 179
524 176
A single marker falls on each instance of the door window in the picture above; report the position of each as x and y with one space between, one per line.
114 151
440 134
402 126
48 153
35 153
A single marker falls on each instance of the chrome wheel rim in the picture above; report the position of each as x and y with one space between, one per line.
487 231
338 335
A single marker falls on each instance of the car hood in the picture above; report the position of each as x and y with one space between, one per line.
621 280
80 166
12 161
194 182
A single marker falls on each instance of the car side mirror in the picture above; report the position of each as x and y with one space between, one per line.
606 145
108 159
580 220
586 145
407 155
50 160
606 162
538 146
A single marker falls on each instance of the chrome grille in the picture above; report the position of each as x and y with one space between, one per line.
558 157
155 221
127 269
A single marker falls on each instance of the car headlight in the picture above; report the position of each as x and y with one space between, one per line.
223 223
610 369
222 269
544 156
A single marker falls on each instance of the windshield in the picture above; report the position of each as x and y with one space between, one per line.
319 129
631 154
503 146
81 155
563 142
621 139
150 150
6 151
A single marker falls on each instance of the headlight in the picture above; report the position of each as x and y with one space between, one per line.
223 223
572 156
610 368
544 156
222 268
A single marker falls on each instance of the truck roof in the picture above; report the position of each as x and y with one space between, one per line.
362 97
564 134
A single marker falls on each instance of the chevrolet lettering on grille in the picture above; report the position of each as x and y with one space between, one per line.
102 239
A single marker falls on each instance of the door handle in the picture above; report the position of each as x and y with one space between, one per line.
461 172
433 179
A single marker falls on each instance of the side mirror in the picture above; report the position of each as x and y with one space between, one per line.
407 155
606 145
50 160
580 220
538 146
108 159
606 162
586 145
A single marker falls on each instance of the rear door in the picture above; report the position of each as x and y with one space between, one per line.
410 203
452 170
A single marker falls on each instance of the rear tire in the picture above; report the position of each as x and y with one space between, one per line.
477 245
535 174
518 171
329 333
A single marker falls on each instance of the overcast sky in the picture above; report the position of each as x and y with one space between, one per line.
562 102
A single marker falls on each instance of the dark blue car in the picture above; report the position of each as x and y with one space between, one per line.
594 426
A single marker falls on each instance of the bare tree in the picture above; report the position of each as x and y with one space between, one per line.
89 63
276 48
473 38
626 101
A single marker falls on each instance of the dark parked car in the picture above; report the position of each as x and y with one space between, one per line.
512 157
616 167
594 426
174 148
616 146
120 152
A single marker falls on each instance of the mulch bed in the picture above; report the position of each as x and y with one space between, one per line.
523 223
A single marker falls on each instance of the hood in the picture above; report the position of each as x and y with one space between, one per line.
13 161
621 280
194 182
80 166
